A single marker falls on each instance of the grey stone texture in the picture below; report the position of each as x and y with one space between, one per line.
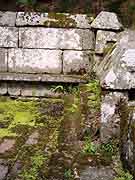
56 38
7 18
34 61
110 118
3 88
102 38
8 37
53 20
107 21
76 62
116 71
3 60
97 173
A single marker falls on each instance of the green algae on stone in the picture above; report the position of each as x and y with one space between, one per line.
59 20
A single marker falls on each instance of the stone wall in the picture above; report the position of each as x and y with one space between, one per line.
41 48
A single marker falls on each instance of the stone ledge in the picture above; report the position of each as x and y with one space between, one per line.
61 20
42 78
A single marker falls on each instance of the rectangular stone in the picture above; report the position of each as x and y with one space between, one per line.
76 62
3 60
34 61
3 88
56 38
61 20
8 37
7 18
43 78
14 89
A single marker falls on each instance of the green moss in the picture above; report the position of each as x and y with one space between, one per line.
59 20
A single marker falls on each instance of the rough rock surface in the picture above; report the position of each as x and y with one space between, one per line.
52 38
102 38
107 20
110 119
7 18
53 20
116 71
76 62
8 37
3 60
97 173
29 61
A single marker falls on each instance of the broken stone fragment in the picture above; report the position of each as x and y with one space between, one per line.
53 20
107 21
102 38
7 145
34 61
56 38
7 18
77 62
117 69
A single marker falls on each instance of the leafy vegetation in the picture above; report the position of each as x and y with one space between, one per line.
89 147
68 174
122 175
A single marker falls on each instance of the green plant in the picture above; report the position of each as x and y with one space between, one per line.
36 163
107 148
26 2
89 147
122 175
68 174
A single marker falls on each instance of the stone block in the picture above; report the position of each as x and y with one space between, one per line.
52 38
3 60
29 90
8 37
14 89
34 61
61 20
3 88
7 18
102 38
107 20
110 118
76 62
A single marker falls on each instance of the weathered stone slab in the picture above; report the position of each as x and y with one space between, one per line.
117 70
107 20
3 169
7 18
77 62
37 90
53 20
8 37
102 38
42 77
52 38
3 60
34 61
7 145
110 119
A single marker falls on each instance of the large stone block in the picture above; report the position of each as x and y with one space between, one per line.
110 118
34 61
3 60
102 38
8 37
77 62
53 20
52 38
3 88
7 18
107 20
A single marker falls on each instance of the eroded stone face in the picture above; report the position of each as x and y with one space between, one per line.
53 20
7 18
52 38
76 62
117 70
8 37
110 119
34 61
106 20
3 60
102 38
